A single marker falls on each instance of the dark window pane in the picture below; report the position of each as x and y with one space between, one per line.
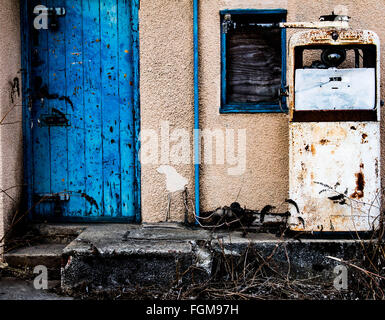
253 65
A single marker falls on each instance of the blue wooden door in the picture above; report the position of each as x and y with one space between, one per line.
82 116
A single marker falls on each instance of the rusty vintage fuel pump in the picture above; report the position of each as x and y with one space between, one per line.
334 113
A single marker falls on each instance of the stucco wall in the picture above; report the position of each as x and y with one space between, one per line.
10 112
265 180
166 89
167 84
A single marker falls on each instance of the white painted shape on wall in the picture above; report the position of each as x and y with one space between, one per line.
174 181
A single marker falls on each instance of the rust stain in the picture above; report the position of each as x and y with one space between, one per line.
360 185
331 225
90 200
324 141
345 36
338 133
302 174
313 151
338 220
364 136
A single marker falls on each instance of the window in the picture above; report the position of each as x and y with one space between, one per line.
253 61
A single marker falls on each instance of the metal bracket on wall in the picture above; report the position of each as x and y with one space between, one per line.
227 23
283 93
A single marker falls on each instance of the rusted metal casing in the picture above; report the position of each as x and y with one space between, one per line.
334 164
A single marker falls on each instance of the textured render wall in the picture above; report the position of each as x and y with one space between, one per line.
166 40
166 89
167 94
11 128
265 180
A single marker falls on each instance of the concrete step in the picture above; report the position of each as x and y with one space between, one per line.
16 289
110 256
105 257
57 233
48 255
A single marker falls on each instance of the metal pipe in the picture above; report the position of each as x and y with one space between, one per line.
196 108
294 25
315 25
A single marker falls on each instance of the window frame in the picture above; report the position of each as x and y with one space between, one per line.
267 107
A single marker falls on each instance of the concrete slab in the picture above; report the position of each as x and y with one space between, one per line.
55 229
48 255
40 250
110 256
14 289
57 233
102 256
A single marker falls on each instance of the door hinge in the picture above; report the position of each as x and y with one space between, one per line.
55 119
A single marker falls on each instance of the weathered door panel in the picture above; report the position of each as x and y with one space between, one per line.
93 112
41 135
334 176
84 115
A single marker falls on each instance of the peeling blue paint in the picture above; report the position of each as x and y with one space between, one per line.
91 58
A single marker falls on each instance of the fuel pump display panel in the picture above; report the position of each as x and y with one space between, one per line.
335 89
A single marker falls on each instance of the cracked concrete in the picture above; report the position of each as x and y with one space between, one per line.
111 256
14 289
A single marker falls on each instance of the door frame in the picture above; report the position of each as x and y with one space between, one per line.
28 205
